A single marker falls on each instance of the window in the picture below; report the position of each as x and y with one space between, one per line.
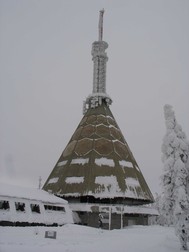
60 209
4 205
54 208
35 208
20 206
48 207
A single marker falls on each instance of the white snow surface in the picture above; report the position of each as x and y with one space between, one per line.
80 161
76 238
62 163
74 180
125 163
53 180
106 180
132 182
109 183
104 161
29 193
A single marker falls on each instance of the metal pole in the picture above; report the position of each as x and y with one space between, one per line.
121 217
110 216
100 25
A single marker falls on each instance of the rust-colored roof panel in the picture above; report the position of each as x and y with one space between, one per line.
84 146
91 119
88 130
115 133
103 131
101 119
77 133
69 148
121 150
103 146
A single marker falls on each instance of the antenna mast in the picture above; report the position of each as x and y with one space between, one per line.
100 25
99 58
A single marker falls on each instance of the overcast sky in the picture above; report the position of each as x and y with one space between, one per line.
46 72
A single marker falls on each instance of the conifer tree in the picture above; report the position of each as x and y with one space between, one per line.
175 149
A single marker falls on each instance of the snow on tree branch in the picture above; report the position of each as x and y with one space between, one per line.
175 178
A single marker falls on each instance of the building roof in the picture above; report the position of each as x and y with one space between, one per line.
19 192
98 162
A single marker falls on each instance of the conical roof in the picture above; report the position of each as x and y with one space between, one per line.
98 162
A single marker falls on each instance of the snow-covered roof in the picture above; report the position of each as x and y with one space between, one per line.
98 162
29 193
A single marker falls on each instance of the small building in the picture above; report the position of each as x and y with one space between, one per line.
28 206
97 172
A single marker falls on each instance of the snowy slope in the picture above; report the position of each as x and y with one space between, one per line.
75 238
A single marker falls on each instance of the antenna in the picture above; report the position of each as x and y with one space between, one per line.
100 25
99 58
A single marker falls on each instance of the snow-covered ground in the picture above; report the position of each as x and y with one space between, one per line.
75 238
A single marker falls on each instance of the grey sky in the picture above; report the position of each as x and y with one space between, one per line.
46 73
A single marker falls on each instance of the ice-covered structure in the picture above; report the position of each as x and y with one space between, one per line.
97 171
20 206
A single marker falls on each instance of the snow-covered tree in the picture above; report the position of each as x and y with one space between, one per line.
175 200
160 219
